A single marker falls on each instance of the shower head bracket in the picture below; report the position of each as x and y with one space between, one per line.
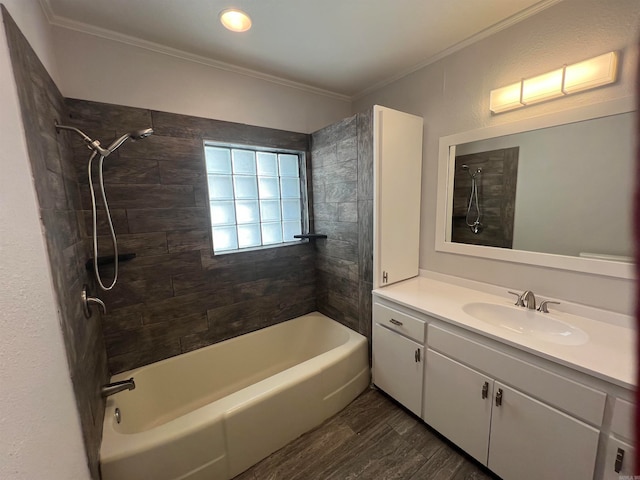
472 175
91 144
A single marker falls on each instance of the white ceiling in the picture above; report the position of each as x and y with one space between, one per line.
346 47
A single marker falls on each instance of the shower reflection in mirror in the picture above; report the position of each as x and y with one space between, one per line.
484 197
473 208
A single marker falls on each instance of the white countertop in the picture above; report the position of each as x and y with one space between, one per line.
609 354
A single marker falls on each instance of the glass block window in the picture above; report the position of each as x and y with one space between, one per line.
256 197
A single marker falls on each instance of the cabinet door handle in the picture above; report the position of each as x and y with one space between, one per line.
417 355
619 459
396 322
499 397
485 390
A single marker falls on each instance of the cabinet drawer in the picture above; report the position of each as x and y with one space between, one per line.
622 422
574 398
400 322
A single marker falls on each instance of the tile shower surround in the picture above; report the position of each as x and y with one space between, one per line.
342 177
175 296
51 159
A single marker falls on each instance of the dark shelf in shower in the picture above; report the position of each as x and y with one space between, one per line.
108 260
310 236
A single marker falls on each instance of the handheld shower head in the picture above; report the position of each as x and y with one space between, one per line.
135 135
140 134
95 144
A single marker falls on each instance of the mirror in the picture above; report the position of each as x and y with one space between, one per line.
554 190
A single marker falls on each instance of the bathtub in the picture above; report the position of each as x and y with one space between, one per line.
214 412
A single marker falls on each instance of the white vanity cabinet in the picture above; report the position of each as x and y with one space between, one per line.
515 435
528 409
398 355
397 167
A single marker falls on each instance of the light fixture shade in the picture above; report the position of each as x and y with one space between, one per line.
543 87
505 98
235 20
591 73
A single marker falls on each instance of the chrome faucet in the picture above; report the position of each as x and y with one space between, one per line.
529 299
115 387
526 299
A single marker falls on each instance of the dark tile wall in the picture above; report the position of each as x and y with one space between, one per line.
175 296
342 173
365 219
59 198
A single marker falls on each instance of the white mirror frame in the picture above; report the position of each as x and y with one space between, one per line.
446 164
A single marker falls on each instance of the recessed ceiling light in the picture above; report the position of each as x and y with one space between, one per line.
235 20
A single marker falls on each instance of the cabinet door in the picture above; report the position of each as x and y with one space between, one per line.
457 403
397 367
619 460
530 440
397 185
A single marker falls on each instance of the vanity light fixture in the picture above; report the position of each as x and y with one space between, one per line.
235 20
585 75
542 87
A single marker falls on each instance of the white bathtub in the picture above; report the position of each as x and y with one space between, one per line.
214 412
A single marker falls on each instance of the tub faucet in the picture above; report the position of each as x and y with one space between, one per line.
115 387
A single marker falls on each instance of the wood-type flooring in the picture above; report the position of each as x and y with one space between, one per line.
374 438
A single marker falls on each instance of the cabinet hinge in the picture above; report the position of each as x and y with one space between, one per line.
385 277
416 355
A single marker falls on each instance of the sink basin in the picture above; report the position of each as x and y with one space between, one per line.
528 323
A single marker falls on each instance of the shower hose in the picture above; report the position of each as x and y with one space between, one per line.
475 225
95 223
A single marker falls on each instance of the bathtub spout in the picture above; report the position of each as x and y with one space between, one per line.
115 387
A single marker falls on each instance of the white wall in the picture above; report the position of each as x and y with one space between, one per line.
94 68
453 96
40 434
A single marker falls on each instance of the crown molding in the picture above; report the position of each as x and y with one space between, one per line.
228 67
181 54
47 10
487 32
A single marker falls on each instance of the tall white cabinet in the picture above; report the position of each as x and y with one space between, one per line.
398 339
397 168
